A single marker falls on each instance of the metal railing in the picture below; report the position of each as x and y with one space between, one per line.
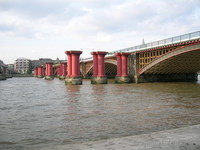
168 41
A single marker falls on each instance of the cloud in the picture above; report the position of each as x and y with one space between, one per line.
99 24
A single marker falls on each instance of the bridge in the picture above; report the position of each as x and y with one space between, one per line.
172 59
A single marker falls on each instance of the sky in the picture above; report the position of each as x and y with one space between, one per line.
36 29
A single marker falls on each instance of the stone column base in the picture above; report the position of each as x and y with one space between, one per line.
62 77
99 80
121 79
49 77
73 80
40 76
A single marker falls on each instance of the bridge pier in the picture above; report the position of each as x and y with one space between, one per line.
99 76
40 72
73 67
63 68
122 76
49 71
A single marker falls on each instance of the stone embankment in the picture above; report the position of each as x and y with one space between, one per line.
187 138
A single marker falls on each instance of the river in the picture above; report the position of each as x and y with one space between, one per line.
35 113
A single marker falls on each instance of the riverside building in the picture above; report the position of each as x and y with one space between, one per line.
21 65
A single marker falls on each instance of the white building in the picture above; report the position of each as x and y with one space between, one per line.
21 65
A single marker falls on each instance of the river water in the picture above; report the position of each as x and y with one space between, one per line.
35 113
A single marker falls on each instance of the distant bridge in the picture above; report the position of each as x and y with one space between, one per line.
171 59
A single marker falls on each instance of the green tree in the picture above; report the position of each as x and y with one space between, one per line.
28 71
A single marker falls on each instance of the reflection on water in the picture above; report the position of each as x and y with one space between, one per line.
39 113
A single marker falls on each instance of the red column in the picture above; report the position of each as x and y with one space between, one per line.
49 69
124 64
35 72
39 71
64 68
75 63
69 63
95 64
119 64
101 64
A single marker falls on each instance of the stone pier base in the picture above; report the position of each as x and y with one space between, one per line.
122 79
99 80
182 77
73 80
49 77
40 76
62 77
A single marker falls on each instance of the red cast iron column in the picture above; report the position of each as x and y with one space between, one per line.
101 64
64 68
35 72
119 64
124 64
95 64
69 63
75 63
39 71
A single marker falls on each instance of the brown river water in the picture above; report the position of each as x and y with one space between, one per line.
35 113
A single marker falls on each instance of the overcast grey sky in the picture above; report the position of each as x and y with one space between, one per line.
46 28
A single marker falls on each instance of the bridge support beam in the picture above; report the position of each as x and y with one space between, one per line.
63 68
49 71
99 76
73 66
40 72
122 75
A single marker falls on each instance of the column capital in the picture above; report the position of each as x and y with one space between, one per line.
125 54
101 52
117 54
73 52
93 53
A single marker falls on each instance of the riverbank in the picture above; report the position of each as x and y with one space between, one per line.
186 138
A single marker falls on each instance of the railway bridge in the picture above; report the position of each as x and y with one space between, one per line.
171 59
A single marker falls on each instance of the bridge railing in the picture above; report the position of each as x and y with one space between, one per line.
173 40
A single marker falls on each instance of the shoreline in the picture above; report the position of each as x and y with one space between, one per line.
186 138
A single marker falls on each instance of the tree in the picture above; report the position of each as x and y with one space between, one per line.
28 71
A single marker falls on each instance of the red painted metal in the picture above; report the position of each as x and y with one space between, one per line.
35 72
101 64
73 63
95 64
40 70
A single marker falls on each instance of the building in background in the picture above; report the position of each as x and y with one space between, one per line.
22 65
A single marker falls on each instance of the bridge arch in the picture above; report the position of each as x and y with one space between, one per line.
185 59
110 68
